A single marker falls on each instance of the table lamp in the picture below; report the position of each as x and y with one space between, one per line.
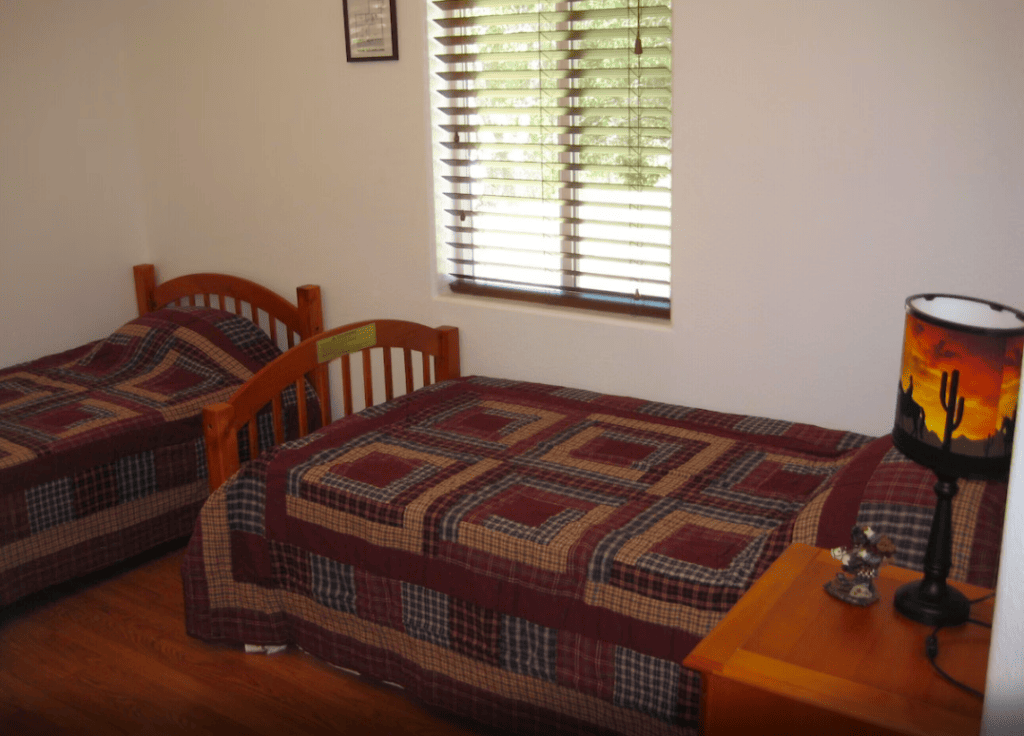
955 414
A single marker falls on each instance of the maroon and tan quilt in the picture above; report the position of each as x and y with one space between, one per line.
541 559
101 449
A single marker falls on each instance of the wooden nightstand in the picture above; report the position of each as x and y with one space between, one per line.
790 659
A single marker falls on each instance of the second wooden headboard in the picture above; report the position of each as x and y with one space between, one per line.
301 320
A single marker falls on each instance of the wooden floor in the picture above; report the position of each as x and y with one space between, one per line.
112 657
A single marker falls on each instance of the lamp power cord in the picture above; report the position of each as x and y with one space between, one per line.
931 650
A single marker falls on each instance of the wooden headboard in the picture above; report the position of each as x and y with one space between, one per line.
301 320
313 359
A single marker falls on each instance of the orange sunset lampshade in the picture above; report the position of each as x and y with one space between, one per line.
956 410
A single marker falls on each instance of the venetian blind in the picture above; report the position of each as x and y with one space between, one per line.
554 124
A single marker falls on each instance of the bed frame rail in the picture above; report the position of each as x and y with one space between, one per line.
306 365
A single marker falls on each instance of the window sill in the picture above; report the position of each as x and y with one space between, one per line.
623 306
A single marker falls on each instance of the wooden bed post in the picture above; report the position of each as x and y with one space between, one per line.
311 317
310 310
221 443
448 361
145 286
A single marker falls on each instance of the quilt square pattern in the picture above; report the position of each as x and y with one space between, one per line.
177 380
113 356
571 494
376 481
70 418
19 389
51 504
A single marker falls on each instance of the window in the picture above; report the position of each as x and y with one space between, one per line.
553 127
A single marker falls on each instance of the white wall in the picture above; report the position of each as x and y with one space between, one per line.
830 159
71 215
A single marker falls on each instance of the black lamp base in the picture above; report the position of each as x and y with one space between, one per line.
932 605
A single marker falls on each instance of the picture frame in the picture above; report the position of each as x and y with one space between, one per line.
371 33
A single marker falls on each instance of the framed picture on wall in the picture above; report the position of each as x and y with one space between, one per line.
371 33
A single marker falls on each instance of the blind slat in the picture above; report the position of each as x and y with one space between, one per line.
548 14
630 283
596 259
528 37
553 57
603 168
614 74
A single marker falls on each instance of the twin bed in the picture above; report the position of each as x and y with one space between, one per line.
101 447
530 558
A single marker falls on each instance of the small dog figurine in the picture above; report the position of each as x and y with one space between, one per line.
856 584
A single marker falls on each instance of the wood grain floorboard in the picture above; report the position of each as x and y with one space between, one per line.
111 656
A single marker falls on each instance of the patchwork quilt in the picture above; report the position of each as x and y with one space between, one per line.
101 448
541 559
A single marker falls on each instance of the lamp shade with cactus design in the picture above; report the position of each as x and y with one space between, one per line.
956 409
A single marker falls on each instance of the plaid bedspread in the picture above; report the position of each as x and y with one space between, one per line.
101 450
541 559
